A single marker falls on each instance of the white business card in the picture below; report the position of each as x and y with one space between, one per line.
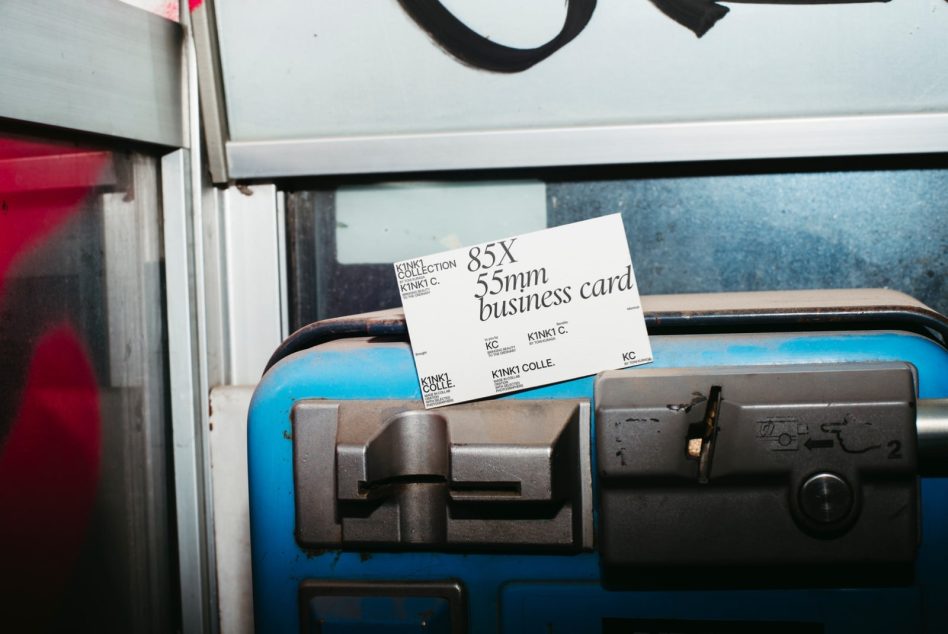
524 311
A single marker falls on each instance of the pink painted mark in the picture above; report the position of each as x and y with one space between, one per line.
41 186
11 148
171 10
49 469
194 4
49 459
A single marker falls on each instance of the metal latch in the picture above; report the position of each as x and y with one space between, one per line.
390 474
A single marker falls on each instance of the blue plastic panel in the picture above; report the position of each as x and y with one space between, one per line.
513 592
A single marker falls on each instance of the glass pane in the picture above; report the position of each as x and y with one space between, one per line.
84 519
310 63
698 228
747 232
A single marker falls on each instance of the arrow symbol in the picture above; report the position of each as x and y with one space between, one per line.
818 444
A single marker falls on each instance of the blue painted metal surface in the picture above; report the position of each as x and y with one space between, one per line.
515 593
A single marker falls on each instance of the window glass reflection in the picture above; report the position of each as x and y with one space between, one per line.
690 229
84 536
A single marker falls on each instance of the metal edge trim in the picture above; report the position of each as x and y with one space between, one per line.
117 67
211 86
592 145
585 475
282 265
185 394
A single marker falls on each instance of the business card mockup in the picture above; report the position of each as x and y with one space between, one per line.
523 311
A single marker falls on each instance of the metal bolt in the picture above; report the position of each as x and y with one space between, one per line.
826 498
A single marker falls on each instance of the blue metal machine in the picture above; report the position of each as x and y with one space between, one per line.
783 495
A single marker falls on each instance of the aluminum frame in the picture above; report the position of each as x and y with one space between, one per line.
741 139
252 276
244 276
245 303
104 67
97 66
188 358
666 142
213 112
187 397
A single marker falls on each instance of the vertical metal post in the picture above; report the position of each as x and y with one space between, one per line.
186 393
203 24
187 358
252 279
245 274
281 266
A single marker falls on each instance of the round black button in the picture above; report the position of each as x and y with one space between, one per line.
826 498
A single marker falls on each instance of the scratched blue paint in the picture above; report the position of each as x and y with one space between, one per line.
509 591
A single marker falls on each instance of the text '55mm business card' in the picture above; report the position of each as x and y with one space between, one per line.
525 311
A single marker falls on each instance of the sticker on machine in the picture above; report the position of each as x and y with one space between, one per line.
523 311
